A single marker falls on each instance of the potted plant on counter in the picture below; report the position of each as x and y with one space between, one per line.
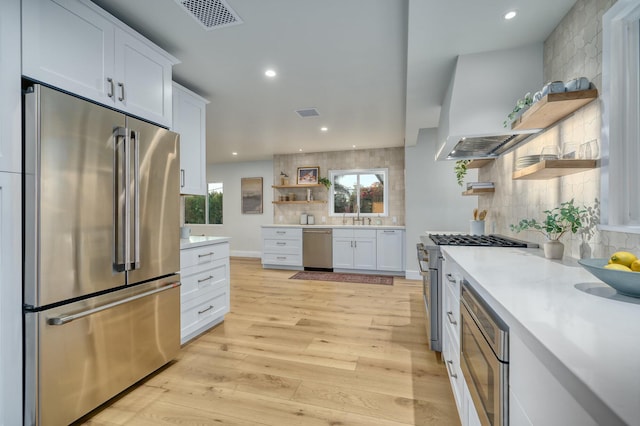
558 221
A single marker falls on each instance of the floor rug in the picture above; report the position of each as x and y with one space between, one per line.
343 278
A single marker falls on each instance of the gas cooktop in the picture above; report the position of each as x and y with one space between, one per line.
478 240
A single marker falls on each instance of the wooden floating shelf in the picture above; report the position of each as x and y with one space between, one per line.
300 202
549 169
479 163
553 108
479 191
315 185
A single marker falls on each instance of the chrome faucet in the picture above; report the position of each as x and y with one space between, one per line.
358 219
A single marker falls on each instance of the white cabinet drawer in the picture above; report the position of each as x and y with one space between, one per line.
354 233
282 246
198 312
451 358
195 285
282 259
451 313
202 256
278 233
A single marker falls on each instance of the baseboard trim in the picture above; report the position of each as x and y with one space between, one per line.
412 275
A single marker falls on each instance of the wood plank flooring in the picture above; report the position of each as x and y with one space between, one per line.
295 352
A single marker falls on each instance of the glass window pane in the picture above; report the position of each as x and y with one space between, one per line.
371 193
344 193
194 209
215 203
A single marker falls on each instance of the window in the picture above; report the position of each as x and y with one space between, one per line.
363 191
205 209
620 117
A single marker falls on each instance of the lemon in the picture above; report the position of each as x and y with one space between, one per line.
622 258
635 266
618 267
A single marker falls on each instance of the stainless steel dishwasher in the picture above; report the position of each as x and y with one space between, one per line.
317 249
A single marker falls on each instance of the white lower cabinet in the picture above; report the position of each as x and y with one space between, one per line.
537 396
390 249
282 247
204 294
354 249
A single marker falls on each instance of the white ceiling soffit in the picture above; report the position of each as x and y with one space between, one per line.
307 112
211 14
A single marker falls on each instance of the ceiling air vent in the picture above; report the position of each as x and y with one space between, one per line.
211 14
307 112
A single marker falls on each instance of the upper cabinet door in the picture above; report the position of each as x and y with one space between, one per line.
189 116
143 79
68 45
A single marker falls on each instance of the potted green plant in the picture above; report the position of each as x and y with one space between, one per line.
521 106
325 181
558 221
461 170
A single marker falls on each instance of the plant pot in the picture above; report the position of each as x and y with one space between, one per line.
553 249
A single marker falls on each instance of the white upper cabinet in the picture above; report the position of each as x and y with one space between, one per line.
76 46
189 119
10 95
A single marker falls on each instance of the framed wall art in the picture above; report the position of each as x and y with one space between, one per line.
251 194
308 175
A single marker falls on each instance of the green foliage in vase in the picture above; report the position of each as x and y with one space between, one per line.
558 221
521 104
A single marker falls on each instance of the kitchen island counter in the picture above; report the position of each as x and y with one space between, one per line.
197 241
584 333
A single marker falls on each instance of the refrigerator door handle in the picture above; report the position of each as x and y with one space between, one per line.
67 318
135 141
120 187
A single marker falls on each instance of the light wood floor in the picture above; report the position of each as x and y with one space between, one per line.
295 352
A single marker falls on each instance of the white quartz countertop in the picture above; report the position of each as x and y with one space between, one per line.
324 225
197 241
586 334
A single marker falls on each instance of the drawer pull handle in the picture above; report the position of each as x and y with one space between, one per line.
281 257
210 277
449 369
281 232
450 316
205 255
450 278
205 310
281 244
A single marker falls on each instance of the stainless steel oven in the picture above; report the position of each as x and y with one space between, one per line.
430 264
484 357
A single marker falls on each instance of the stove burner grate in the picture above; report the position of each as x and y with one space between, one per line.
475 240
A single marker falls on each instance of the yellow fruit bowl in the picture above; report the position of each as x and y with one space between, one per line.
627 283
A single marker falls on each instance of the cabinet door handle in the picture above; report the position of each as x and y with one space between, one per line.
355 244
205 310
210 277
110 92
121 97
451 319
181 178
449 369
450 278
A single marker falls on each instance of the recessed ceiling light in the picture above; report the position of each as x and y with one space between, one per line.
353 146
510 15
234 153
270 73
324 129
300 150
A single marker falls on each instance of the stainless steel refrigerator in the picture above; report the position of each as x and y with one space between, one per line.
102 252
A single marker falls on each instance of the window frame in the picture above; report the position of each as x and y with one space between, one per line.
382 171
620 211
206 206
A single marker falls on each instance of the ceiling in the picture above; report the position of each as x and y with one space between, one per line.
376 70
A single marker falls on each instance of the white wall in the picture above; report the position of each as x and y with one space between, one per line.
244 229
433 200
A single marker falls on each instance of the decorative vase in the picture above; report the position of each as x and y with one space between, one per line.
553 249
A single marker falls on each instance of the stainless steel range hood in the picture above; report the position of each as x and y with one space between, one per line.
483 90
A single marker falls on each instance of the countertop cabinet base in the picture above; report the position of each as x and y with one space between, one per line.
204 293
